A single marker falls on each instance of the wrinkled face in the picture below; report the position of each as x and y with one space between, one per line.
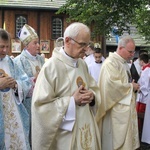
4 48
98 57
76 47
128 51
33 47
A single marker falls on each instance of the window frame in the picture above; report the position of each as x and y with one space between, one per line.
17 16
54 36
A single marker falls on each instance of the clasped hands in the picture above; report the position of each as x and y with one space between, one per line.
136 86
82 96
7 82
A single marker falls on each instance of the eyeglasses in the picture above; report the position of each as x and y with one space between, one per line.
81 44
131 52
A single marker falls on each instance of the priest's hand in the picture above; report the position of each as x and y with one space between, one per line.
7 82
136 86
3 81
83 96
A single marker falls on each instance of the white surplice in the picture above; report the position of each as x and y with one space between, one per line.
94 70
146 124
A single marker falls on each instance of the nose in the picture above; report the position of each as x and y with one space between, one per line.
5 49
85 48
38 45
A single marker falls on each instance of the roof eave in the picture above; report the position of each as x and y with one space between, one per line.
28 7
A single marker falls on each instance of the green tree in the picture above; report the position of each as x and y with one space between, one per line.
142 21
103 15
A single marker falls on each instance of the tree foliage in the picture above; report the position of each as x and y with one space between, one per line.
142 21
103 15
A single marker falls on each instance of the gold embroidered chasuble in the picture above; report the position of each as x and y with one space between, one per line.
51 97
14 119
119 127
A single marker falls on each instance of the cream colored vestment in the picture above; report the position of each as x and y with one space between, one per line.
119 127
55 85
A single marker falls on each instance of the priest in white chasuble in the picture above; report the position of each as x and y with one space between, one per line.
15 87
66 97
119 126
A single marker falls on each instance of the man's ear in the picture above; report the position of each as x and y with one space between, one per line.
67 40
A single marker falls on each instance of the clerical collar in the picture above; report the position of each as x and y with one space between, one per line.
30 56
86 55
74 61
69 55
98 62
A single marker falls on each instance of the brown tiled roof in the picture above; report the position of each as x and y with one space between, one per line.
35 4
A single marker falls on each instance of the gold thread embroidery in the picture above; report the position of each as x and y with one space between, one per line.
2 73
80 82
10 122
86 137
37 68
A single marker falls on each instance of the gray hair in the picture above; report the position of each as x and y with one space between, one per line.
74 29
125 40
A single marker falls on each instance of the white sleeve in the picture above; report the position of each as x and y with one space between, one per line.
89 69
144 86
69 118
